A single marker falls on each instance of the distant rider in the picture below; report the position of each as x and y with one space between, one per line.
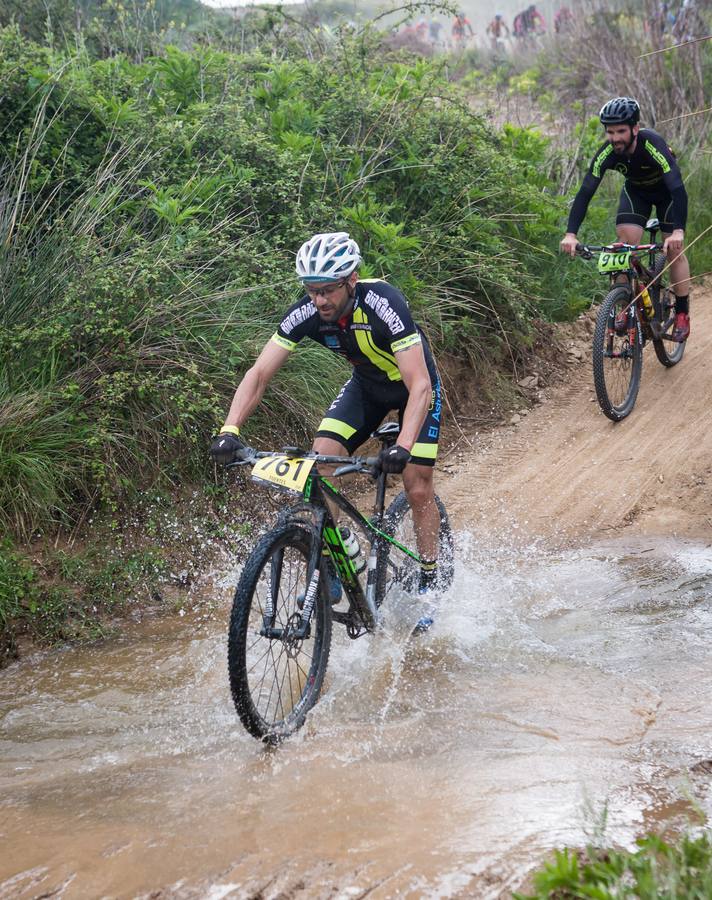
652 178
563 20
496 29
533 20
461 24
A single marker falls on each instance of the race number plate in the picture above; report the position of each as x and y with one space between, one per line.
285 472
617 261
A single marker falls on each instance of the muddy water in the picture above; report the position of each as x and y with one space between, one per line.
562 698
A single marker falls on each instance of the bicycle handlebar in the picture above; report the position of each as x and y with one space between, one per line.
587 251
346 464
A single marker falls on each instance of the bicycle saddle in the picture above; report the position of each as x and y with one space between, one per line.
388 432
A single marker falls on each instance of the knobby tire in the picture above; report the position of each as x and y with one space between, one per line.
616 380
669 354
393 567
275 684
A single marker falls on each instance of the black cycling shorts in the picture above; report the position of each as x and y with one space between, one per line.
636 204
361 407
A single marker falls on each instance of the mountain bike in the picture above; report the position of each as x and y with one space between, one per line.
638 308
284 606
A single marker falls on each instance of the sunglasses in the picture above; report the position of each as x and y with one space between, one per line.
325 291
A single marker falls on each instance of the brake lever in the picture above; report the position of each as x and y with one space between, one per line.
244 457
346 470
238 462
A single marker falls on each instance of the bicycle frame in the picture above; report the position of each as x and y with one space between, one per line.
362 614
363 602
640 278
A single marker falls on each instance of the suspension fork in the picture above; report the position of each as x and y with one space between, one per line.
301 631
314 572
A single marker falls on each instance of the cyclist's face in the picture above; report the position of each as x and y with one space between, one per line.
621 136
331 299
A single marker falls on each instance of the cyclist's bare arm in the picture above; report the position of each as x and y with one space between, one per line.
250 390
411 364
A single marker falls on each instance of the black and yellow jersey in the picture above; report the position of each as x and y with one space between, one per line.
378 326
650 167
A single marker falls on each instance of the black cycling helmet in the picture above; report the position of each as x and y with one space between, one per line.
620 111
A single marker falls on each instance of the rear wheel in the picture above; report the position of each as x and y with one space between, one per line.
617 357
668 352
396 568
276 677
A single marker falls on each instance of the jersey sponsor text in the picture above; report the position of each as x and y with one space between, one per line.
383 310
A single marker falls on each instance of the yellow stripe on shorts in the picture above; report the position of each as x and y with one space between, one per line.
337 427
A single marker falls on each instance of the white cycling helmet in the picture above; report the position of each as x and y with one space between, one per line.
328 257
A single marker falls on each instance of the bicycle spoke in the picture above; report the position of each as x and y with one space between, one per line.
275 675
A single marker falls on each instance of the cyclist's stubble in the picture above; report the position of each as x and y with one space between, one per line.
330 309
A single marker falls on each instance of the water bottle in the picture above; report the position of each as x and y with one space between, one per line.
353 548
647 303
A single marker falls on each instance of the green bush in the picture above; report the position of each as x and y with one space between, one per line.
149 218
698 181
657 870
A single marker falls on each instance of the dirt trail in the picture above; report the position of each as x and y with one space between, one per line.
566 472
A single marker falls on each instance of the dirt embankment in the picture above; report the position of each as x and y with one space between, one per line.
564 472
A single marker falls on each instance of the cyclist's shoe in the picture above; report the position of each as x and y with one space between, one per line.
332 580
621 324
428 580
423 624
681 331
426 587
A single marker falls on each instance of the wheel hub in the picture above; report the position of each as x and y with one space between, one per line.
291 639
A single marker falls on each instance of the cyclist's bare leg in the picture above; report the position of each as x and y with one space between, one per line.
680 276
629 234
329 447
418 484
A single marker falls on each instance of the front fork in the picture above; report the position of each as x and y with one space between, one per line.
299 624
632 321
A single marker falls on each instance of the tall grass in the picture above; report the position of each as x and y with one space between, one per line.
148 220
698 182
117 352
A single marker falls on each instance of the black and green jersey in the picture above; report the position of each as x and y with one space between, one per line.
379 325
651 167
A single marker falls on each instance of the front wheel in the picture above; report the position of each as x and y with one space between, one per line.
617 355
275 673
668 352
396 568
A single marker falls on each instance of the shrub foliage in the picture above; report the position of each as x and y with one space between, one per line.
149 215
